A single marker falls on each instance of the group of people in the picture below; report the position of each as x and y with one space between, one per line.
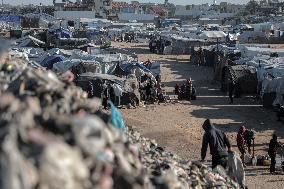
112 92
125 37
197 57
151 92
156 45
186 91
220 146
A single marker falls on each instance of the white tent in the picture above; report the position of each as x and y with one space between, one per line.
213 35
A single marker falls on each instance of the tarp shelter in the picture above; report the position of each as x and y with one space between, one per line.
10 18
119 71
112 78
213 35
128 67
30 41
61 33
93 31
156 68
65 65
50 60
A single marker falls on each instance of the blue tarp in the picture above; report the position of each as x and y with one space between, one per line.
50 60
129 66
62 33
92 32
10 18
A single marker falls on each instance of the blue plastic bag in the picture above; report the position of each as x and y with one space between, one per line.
116 118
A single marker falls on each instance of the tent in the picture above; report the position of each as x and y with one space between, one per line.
213 35
119 71
61 32
50 60
30 41
65 65
128 67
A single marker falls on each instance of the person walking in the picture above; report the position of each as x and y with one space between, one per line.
273 146
241 142
218 144
105 96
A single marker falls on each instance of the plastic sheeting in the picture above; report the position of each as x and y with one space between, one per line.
49 61
65 65
30 41
128 67
62 33
212 34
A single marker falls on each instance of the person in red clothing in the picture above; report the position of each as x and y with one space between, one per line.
241 141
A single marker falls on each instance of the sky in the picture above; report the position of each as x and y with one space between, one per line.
178 2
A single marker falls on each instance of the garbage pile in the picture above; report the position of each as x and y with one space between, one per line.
167 170
52 136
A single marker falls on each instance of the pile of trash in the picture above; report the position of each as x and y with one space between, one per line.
52 136
167 170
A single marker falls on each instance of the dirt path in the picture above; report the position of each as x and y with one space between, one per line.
178 126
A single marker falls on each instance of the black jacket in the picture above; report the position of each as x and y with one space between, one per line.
273 145
217 140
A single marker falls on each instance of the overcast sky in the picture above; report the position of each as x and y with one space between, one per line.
178 2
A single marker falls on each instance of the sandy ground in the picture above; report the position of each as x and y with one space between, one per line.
177 126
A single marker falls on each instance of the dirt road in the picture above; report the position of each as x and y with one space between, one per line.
177 126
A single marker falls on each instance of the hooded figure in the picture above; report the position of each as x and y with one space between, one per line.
218 143
241 141
273 145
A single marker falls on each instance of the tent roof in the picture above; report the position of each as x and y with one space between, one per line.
212 34
90 76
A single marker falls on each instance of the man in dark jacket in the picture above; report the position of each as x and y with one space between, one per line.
273 145
218 142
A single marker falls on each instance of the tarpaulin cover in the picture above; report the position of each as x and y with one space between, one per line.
62 33
50 60
65 65
10 18
119 71
213 34
130 66
30 41
92 76
155 68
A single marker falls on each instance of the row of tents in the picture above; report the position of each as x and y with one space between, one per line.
253 71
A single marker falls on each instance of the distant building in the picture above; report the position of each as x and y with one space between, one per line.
132 11
222 11
102 8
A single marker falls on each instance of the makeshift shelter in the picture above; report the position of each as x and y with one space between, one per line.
219 36
50 60
244 77
119 71
30 41
61 33
94 83
65 65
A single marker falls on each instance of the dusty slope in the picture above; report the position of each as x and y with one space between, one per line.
178 126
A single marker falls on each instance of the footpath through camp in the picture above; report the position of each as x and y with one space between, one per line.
178 125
